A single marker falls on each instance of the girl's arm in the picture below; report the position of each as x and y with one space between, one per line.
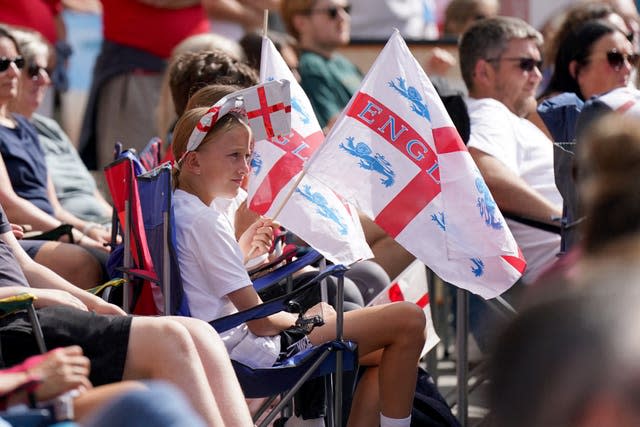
247 297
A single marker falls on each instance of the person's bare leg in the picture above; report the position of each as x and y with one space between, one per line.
161 348
72 262
222 378
365 406
94 399
398 330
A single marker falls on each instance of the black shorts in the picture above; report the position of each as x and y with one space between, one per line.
104 339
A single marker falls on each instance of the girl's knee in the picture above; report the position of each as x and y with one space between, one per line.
412 317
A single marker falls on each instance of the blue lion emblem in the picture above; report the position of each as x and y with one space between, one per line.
412 94
439 219
478 267
323 208
376 163
297 106
487 205
256 163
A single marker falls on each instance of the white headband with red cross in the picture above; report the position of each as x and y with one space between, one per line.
267 108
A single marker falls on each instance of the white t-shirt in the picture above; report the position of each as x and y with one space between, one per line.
211 267
526 151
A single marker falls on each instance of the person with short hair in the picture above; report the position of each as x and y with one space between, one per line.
328 78
500 64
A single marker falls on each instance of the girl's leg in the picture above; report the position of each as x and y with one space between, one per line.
365 405
398 330
161 348
220 373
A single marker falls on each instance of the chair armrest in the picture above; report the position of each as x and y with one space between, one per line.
53 234
113 283
275 305
531 222
309 258
15 303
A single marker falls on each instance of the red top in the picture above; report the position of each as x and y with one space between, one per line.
149 28
37 15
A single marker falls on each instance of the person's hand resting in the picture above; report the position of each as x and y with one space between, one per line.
59 371
53 297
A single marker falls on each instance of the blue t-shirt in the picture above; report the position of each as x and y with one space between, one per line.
25 163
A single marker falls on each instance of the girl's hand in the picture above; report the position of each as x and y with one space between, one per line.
258 238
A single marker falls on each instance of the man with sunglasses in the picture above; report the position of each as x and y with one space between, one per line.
500 64
328 78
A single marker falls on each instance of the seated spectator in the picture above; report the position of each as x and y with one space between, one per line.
27 191
183 351
364 280
499 59
166 111
328 78
191 71
572 19
74 185
594 59
390 337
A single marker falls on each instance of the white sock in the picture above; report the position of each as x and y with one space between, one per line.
394 422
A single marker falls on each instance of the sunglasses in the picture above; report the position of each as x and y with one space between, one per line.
332 12
616 59
5 62
525 64
34 70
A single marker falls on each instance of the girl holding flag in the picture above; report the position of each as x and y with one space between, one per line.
214 152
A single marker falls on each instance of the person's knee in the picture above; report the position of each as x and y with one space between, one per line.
201 329
412 319
169 337
72 262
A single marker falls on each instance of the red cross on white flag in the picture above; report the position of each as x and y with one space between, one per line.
267 107
269 111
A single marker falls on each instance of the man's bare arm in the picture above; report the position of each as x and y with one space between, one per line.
511 193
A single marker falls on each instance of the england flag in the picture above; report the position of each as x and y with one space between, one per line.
302 204
395 154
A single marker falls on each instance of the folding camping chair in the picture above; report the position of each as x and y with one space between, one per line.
147 200
289 375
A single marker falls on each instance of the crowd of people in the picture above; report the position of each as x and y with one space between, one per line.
556 141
